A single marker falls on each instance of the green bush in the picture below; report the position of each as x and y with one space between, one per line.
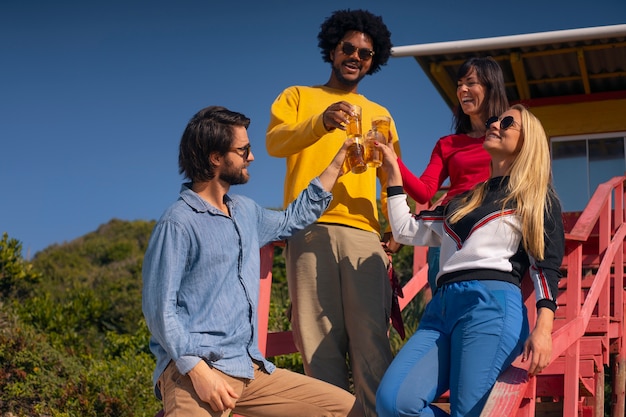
17 277
73 341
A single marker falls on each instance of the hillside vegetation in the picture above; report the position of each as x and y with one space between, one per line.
73 341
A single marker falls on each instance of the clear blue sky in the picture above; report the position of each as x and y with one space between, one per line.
94 95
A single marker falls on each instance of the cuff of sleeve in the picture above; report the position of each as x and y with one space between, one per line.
316 191
318 126
547 304
394 190
184 364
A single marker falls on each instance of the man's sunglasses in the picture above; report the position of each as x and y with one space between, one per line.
348 49
505 123
244 151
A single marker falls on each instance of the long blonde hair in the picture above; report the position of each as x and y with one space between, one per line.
529 184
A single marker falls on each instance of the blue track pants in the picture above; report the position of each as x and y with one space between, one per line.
469 333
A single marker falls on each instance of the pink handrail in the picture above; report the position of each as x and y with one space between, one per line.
512 387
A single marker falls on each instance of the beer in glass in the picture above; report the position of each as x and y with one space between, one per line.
373 155
356 151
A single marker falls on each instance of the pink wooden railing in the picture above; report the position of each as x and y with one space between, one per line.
601 313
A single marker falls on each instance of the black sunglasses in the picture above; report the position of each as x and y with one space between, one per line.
505 123
244 151
348 49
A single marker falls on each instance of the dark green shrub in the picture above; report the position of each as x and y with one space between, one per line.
17 277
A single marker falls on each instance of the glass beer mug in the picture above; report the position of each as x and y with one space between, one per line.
356 152
380 134
373 155
382 124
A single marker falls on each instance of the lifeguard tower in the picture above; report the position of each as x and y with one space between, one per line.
575 82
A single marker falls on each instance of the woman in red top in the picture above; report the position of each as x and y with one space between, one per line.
460 156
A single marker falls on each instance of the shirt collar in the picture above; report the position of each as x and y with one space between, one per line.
198 204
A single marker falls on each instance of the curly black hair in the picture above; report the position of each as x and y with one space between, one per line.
335 27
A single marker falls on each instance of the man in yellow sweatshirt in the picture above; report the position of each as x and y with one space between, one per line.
337 268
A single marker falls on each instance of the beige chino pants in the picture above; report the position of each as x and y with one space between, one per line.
280 394
341 304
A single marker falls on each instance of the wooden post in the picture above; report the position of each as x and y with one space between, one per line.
598 398
265 291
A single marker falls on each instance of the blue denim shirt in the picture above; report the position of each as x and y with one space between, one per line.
201 276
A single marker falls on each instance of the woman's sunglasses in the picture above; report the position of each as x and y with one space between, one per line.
505 123
348 49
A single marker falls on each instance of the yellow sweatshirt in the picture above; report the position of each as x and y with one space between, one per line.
296 131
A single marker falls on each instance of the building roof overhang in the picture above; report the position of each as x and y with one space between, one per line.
556 67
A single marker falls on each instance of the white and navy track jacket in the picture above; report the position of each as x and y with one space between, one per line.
484 245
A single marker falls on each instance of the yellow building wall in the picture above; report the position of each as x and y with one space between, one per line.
582 118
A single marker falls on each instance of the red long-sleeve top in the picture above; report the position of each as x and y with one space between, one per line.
458 157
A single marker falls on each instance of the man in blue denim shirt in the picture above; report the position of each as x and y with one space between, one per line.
201 284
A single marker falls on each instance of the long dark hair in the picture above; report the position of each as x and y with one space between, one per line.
490 76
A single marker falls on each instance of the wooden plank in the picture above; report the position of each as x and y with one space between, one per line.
506 395
557 367
598 325
265 290
589 217
549 409
528 405
413 287
619 384
552 386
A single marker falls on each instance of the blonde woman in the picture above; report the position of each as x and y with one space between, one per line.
490 236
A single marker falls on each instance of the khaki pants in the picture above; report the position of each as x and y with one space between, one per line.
282 393
341 304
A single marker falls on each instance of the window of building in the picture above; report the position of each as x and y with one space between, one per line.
581 163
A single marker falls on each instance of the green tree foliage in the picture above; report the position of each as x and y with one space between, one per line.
93 283
37 379
73 341
17 276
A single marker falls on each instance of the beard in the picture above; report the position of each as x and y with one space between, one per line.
339 76
234 176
